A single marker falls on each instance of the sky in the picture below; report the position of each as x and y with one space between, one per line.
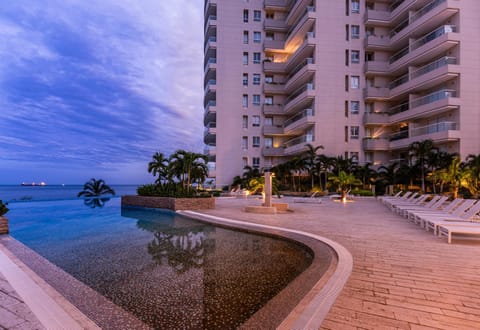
92 89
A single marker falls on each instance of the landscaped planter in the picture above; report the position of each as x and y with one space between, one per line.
3 225
170 203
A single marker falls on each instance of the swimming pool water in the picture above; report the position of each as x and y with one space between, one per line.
169 271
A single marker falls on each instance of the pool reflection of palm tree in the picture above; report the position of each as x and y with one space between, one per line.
183 249
94 202
93 192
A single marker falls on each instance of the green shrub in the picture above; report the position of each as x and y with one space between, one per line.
362 192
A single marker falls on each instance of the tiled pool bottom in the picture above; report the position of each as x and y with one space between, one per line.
185 276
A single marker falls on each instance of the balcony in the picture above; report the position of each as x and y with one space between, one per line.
273 88
440 132
275 25
210 112
271 130
299 123
377 17
300 74
376 93
210 44
211 22
210 5
373 42
424 19
281 5
273 109
426 77
376 144
298 144
210 150
296 34
211 86
433 43
274 45
375 118
273 152
376 68
432 104
296 10
273 67
300 97
211 64
209 133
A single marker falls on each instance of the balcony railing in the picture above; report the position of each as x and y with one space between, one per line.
301 65
396 4
307 138
297 117
434 128
306 87
427 99
398 135
422 41
414 17
423 70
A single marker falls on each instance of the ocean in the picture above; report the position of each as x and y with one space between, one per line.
17 193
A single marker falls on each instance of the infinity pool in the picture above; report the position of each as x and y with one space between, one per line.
170 272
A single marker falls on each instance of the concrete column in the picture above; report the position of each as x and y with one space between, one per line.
268 189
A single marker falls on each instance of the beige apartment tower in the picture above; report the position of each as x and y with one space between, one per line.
362 78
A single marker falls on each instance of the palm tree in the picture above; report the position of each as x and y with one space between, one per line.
454 175
159 165
95 188
421 151
472 167
188 167
344 181
388 174
366 174
310 159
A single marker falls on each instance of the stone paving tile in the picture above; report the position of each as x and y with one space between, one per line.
403 277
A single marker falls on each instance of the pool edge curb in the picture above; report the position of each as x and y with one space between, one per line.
310 312
51 309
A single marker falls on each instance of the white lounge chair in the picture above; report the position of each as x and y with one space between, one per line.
454 208
393 200
449 230
464 219
417 202
436 205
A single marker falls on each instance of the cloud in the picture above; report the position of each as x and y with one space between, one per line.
95 83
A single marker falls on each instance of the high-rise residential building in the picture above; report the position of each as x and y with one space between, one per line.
362 78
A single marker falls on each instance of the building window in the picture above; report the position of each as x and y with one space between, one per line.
245 15
256 121
346 57
268 142
354 156
257 36
355 31
245 162
256 58
256 99
269 100
346 133
256 79
355 82
245 122
355 56
256 141
354 132
269 79
245 79
346 109
368 157
269 15
354 107
245 58
269 36
255 162
245 37
245 142
257 15
355 6
245 100
268 121
346 83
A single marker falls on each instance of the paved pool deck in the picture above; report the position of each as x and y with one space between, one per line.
403 277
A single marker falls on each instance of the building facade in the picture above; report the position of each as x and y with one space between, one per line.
362 78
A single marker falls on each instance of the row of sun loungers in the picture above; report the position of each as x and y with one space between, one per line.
459 216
